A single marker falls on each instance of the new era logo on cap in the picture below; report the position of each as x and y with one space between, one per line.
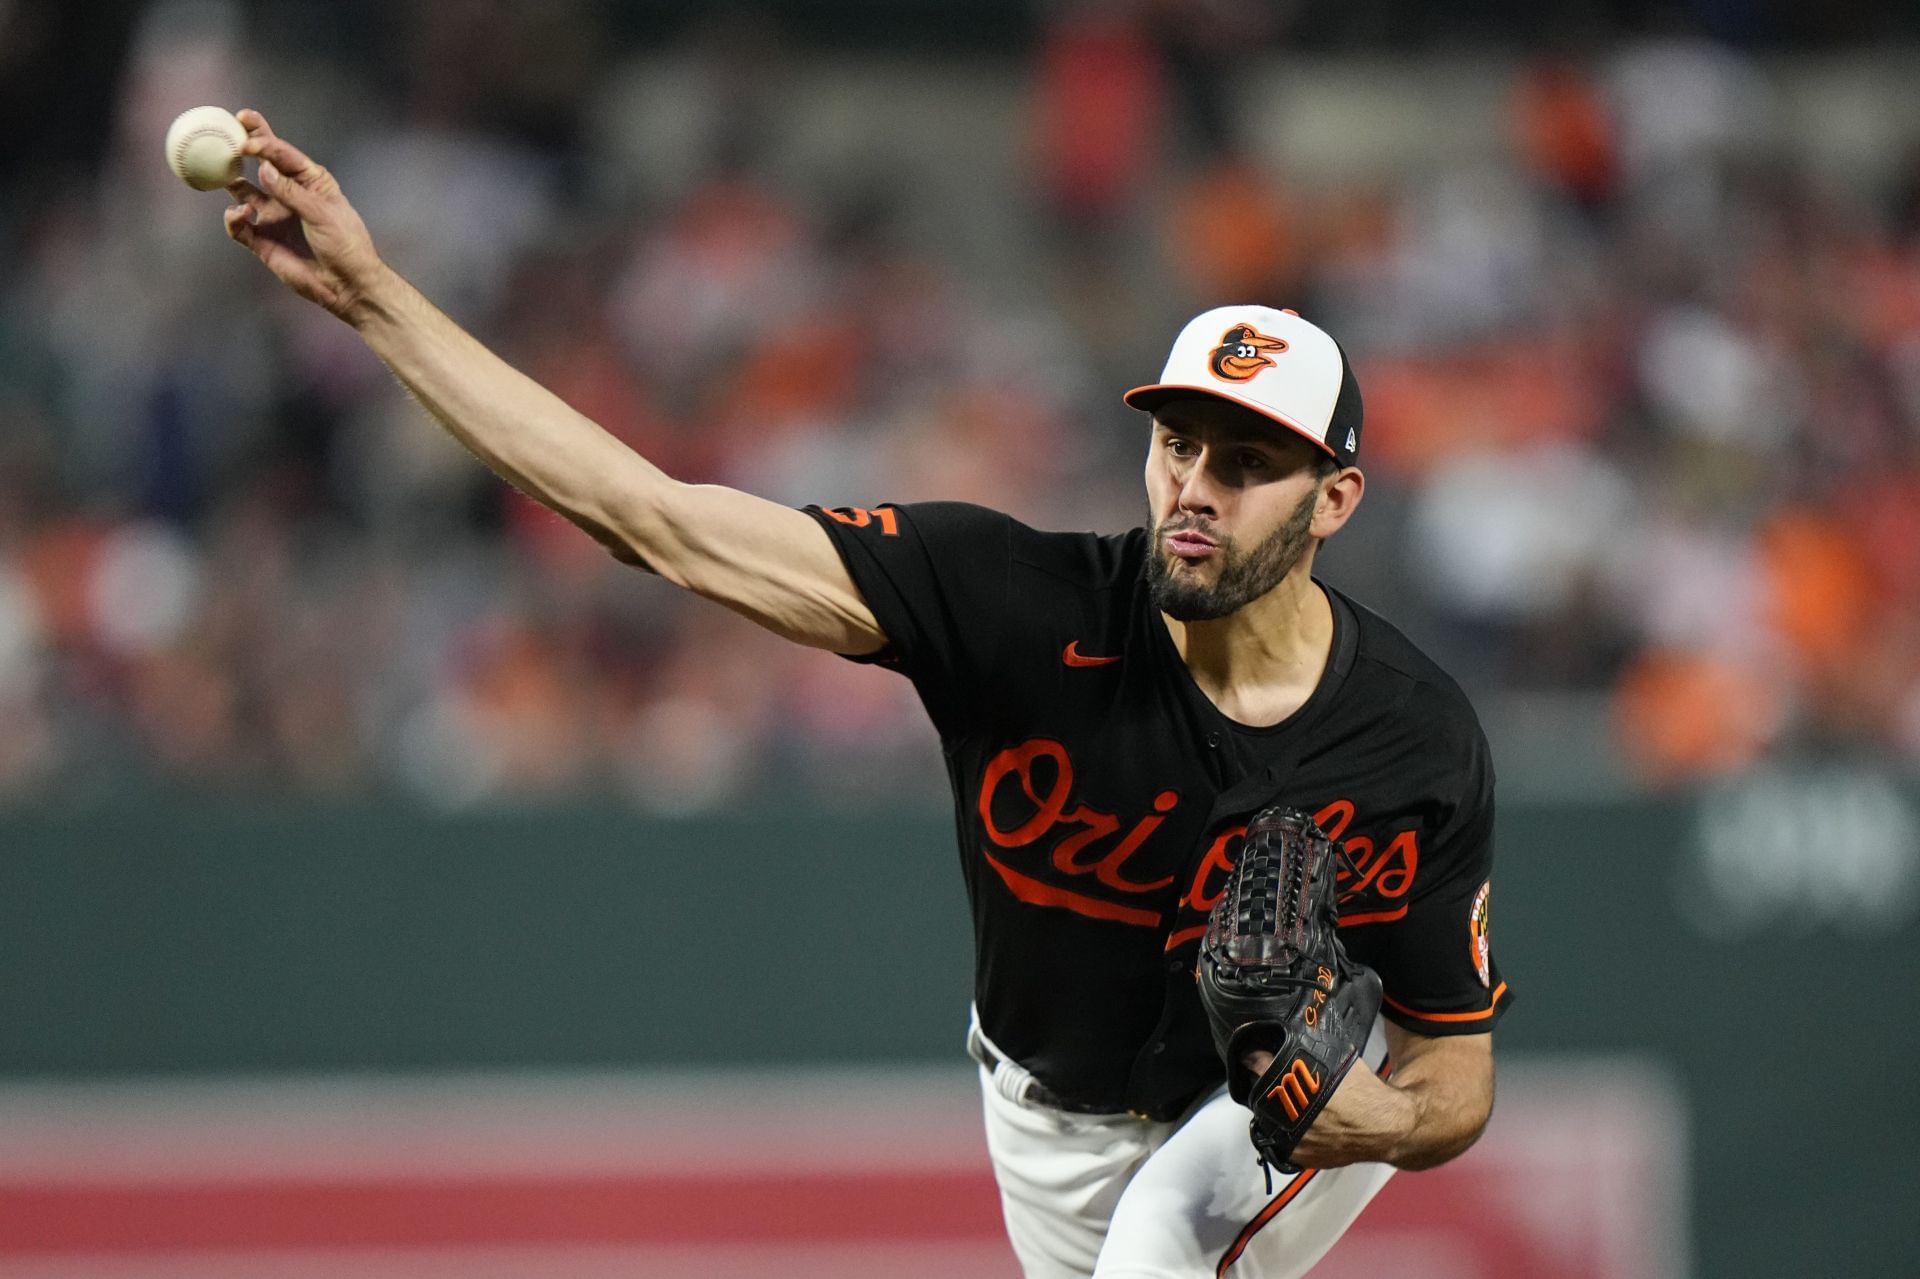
1274 363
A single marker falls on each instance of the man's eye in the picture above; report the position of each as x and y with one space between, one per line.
1252 461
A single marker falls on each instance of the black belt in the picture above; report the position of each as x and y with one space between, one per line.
1038 1093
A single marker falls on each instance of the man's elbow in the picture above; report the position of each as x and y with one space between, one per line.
614 544
626 553
1448 1139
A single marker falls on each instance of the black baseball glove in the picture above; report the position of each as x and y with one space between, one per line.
1274 976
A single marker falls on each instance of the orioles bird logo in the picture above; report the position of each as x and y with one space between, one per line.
1243 352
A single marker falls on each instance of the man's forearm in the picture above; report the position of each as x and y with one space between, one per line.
1412 1125
525 433
769 563
1442 1119
1435 1107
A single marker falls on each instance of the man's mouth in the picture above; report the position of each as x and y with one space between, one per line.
1190 545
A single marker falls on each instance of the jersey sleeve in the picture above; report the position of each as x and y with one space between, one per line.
1436 964
937 577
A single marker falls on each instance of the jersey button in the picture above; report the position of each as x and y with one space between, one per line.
1157 1048
1213 741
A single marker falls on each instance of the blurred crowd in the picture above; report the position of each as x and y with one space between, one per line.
1642 395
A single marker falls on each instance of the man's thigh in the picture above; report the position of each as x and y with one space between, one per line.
1200 1206
1060 1178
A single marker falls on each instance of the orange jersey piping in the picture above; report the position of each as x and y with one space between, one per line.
1484 1013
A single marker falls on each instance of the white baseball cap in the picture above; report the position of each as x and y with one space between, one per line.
1272 362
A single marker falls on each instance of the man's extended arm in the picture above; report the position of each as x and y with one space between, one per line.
765 561
1439 1100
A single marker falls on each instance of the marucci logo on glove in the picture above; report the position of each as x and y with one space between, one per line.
1296 1090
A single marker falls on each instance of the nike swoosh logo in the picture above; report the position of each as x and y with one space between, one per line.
1072 656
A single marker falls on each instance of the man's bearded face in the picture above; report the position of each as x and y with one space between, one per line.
1179 591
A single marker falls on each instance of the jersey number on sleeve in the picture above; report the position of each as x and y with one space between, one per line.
860 517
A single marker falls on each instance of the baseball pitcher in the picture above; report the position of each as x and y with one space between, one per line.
1226 834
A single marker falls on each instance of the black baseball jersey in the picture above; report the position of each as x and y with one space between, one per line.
1101 796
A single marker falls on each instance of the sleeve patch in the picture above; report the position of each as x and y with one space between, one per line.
1477 935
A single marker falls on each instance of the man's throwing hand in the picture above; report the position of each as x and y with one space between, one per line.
297 222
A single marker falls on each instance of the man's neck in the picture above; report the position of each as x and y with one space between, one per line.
1261 664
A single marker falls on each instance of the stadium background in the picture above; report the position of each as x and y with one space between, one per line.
364 828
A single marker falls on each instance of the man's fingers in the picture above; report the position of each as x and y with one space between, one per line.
283 187
263 210
253 122
240 225
282 154
286 172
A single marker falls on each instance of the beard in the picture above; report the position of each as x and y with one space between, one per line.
1244 576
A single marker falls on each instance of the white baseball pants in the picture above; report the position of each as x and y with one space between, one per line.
1116 1197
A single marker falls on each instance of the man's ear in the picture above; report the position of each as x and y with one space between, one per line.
1339 497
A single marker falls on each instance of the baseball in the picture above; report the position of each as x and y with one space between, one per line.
203 147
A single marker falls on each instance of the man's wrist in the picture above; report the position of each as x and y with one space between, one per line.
1368 1120
1383 1127
379 301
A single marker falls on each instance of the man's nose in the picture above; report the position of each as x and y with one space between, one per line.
1200 487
